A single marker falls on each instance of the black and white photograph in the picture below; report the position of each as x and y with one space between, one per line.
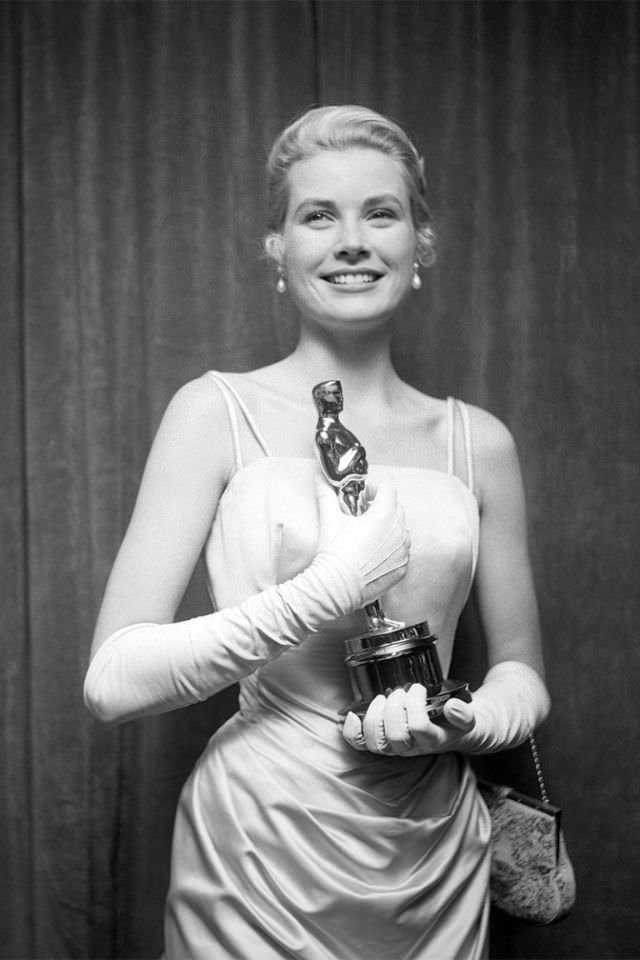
320 479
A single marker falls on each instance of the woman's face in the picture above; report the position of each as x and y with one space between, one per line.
348 241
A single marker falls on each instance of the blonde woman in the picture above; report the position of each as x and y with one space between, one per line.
299 835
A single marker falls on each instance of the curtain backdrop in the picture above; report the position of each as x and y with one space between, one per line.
132 144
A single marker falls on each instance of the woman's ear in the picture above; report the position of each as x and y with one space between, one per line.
274 248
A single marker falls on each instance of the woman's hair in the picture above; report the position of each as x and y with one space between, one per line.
339 128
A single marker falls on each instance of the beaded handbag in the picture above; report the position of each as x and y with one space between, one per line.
532 877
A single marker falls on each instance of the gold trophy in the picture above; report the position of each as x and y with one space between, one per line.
391 653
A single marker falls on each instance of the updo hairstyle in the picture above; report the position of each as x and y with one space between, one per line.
339 128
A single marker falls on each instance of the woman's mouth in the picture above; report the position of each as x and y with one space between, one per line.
348 278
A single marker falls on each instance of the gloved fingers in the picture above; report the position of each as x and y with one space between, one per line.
400 724
387 511
381 496
393 550
385 514
391 556
335 522
373 728
432 737
396 722
381 739
374 545
352 731
460 714
370 491
428 736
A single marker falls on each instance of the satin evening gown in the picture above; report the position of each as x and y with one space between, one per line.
289 843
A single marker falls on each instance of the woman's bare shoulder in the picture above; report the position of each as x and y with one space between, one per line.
200 398
195 426
490 435
495 455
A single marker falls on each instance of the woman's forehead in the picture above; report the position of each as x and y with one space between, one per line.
360 171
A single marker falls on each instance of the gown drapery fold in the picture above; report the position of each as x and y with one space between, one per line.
288 843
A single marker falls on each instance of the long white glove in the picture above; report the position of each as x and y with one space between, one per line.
149 668
509 705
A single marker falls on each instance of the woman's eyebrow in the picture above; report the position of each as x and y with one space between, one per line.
315 202
383 198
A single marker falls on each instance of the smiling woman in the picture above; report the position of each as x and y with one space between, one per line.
300 833
348 244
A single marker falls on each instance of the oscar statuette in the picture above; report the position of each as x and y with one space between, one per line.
391 653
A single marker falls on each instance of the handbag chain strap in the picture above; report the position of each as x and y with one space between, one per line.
538 766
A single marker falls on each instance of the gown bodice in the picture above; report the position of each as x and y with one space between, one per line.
265 531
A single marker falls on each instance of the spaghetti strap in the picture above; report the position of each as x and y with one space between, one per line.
228 392
451 413
468 444
454 406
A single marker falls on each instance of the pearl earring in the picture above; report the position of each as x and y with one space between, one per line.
416 282
281 285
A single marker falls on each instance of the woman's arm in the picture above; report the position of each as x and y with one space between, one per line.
142 662
189 464
512 699
504 580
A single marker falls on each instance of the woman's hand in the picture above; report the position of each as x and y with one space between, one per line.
509 705
375 545
399 725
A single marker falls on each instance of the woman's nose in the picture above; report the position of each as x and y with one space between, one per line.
352 243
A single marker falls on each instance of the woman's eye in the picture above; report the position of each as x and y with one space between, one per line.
317 216
382 214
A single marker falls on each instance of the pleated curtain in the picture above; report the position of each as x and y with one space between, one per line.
132 208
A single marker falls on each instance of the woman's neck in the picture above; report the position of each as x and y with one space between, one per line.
363 365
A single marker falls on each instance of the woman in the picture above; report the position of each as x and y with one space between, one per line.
296 835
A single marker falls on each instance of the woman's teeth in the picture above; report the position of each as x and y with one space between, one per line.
345 278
